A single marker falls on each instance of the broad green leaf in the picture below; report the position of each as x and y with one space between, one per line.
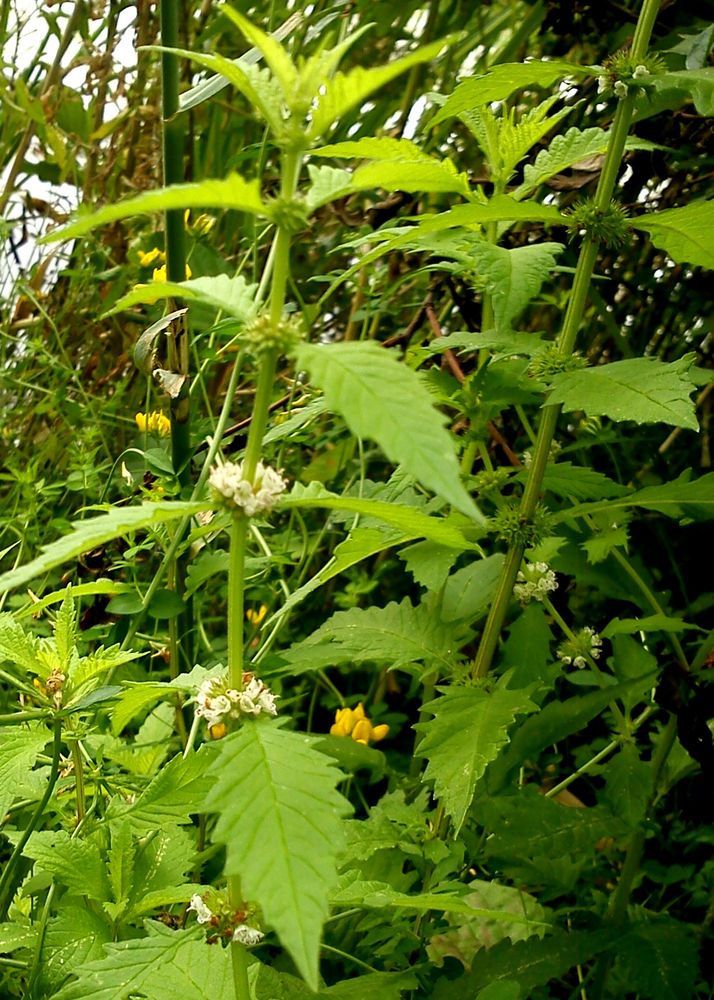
500 208
74 937
19 749
531 963
172 796
682 498
507 989
232 193
326 184
159 867
671 88
409 520
403 175
659 960
629 783
428 563
644 390
94 531
397 635
650 623
387 402
121 859
685 233
72 862
17 646
513 277
469 727
578 482
346 90
261 89
508 344
567 149
276 58
15 936
468 591
373 986
560 719
383 148
468 934
503 80
280 819
100 586
234 296
164 965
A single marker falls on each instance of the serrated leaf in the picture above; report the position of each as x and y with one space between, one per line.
578 482
685 233
94 531
629 783
74 937
164 965
469 727
172 796
120 865
567 149
513 277
65 633
650 623
397 635
17 646
345 90
669 89
499 208
326 184
232 193
19 749
414 523
374 986
682 498
14 937
387 402
641 389
602 543
659 960
234 296
503 80
428 563
72 862
279 62
422 175
280 819
507 344
468 591
526 651
531 963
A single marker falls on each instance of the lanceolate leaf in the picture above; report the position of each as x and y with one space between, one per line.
280 819
397 635
96 531
234 296
502 81
641 389
234 192
469 727
421 175
685 233
387 402
682 498
408 519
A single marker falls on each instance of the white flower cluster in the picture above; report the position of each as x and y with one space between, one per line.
215 701
229 486
606 86
535 580
585 643
247 935
204 915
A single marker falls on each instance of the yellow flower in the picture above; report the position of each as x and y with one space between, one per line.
159 273
153 423
256 617
147 259
354 722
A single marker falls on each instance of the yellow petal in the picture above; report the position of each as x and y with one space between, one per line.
379 732
359 712
362 731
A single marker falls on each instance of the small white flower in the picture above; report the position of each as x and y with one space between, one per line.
247 935
585 645
535 580
226 480
603 85
640 72
203 914
620 89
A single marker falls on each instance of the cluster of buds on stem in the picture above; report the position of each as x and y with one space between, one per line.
232 490
585 645
535 581
216 702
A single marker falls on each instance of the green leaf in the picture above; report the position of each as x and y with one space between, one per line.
74 937
499 208
280 63
659 961
374 986
370 148
685 233
502 81
72 862
387 402
578 482
397 635
172 796
526 651
232 193
513 277
428 563
346 90
19 749
164 965
15 936
469 590
120 858
629 783
531 963
412 522
650 623
327 184
234 296
65 633
280 819
671 88
507 989
502 344
567 149
683 498
641 389
95 531
16 646
422 175
469 727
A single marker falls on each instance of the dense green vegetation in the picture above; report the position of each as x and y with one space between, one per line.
355 621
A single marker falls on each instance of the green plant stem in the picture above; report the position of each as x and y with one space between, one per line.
617 908
6 882
239 963
78 765
566 342
236 589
